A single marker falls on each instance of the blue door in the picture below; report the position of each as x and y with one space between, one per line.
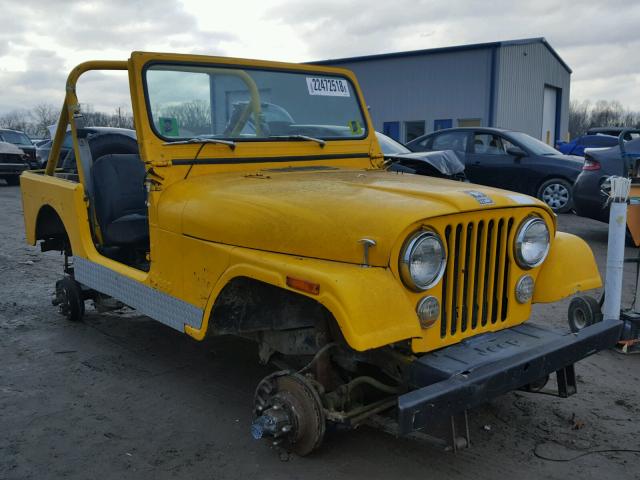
392 129
442 124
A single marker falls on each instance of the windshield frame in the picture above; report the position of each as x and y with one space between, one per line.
367 128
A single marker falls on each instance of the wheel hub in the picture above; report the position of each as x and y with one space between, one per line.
288 409
555 195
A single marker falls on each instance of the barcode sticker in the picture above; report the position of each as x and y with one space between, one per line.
330 87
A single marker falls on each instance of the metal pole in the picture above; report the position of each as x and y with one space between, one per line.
615 248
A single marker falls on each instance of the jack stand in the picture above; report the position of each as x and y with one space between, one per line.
567 385
458 441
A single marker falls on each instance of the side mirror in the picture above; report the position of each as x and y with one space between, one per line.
516 152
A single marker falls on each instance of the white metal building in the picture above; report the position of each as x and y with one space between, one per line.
518 84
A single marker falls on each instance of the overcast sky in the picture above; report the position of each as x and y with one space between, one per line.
40 40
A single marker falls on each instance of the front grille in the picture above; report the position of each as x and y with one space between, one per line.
11 158
475 293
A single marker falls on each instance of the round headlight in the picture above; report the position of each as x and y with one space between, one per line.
532 243
422 261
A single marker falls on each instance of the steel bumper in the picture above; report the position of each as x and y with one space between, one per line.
476 370
13 168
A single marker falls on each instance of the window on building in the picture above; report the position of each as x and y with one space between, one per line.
442 124
413 130
450 141
392 129
469 122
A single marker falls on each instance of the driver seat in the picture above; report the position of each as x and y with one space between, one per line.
120 199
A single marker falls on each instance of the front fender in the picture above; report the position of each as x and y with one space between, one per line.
570 268
369 304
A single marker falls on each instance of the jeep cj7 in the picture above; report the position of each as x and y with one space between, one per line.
380 296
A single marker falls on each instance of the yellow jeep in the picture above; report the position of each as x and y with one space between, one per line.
255 201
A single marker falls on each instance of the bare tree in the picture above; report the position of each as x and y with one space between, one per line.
119 118
585 115
43 115
193 118
16 120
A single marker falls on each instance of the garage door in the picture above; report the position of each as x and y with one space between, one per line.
549 116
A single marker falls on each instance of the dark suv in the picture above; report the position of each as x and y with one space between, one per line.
13 161
22 141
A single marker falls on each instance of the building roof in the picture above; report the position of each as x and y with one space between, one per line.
458 48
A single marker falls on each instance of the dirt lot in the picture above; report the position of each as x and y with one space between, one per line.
126 397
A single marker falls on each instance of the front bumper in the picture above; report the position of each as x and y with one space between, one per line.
476 370
13 168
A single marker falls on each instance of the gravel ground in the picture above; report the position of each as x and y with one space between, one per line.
121 396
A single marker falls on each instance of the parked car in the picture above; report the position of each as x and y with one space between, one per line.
22 141
13 161
42 152
613 131
510 160
444 164
599 164
578 144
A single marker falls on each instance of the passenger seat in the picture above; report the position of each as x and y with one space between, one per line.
119 197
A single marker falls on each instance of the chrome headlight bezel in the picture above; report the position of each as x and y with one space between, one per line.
520 236
406 256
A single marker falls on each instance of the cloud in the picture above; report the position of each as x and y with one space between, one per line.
37 52
597 40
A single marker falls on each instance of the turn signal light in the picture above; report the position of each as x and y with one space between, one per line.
591 164
303 285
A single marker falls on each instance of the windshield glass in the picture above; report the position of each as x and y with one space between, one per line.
17 138
533 145
389 146
188 101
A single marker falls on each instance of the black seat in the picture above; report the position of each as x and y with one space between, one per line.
119 199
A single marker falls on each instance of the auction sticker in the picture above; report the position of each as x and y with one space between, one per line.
329 87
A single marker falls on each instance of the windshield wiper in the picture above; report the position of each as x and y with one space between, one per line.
319 141
229 143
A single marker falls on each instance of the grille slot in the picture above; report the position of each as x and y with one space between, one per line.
475 293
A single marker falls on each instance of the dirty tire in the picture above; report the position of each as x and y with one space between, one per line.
13 180
583 311
558 194
69 299
537 385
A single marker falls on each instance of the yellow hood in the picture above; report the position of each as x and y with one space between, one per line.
318 212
